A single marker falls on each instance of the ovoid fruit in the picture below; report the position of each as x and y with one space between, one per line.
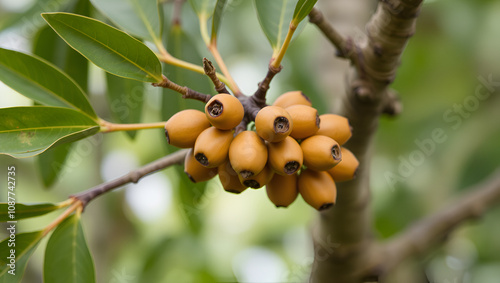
248 154
336 127
212 146
229 178
195 171
273 123
285 157
282 190
182 129
320 152
305 121
347 168
258 180
224 111
292 98
317 188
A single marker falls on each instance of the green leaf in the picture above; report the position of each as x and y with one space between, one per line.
302 9
217 18
274 18
126 98
50 163
67 257
49 46
141 18
110 49
39 80
28 131
203 8
25 210
26 244
30 19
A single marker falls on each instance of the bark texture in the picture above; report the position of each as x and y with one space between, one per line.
345 250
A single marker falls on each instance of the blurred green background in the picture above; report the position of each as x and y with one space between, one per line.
164 229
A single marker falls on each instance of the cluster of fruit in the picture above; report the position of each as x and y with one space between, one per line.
288 135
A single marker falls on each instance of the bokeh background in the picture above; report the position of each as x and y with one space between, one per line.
164 229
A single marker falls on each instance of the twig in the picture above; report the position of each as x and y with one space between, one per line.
346 47
132 177
260 95
186 92
209 68
423 235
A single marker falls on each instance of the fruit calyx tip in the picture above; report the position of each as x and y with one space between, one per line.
336 153
215 108
291 167
245 174
190 177
200 157
325 206
281 125
252 184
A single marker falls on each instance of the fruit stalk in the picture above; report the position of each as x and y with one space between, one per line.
186 92
264 85
209 69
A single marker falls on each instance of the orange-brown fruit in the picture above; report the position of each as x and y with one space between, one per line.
248 154
347 168
182 129
321 152
273 123
229 178
285 157
224 111
292 98
212 146
335 126
195 171
259 180
282 190
317 188
305 121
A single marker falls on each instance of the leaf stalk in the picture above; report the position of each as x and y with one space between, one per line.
76 206
276 62
107 127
